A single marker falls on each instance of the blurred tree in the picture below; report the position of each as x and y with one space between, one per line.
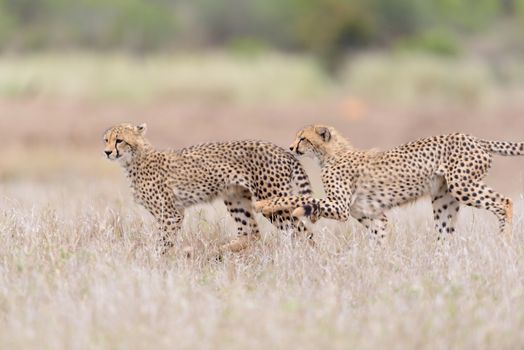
397 18
330 27
327 28
519 9
137 25
7 26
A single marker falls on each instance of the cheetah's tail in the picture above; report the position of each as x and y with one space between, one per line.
301 180
504 148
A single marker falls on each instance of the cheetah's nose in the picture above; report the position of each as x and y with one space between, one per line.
291 148
108 153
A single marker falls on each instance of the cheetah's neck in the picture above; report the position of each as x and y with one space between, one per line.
338 146
131 166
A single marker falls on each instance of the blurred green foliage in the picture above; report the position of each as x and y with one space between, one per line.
438 41
131 24
327 28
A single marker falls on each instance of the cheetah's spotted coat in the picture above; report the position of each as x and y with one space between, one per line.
364 184
167 182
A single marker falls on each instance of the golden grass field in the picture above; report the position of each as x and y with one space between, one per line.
79 268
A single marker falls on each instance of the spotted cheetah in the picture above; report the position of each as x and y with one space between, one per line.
364 184
167 182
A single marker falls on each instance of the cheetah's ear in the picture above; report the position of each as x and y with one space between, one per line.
324 133
142 128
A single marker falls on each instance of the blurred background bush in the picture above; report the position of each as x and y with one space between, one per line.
299 25
327 28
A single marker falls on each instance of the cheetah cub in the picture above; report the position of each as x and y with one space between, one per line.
167 182
364 184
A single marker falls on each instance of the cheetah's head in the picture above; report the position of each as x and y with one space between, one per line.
316 140
122 140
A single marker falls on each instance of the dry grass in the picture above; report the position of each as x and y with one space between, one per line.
78 270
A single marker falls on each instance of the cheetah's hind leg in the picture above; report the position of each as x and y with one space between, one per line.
239 204
284 221
377 227
445 212
479 195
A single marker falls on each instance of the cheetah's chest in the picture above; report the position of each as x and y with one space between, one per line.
145 194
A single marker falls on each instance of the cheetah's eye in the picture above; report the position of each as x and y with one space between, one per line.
106 140
118 141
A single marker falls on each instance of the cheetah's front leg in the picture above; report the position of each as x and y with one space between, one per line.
271 206
169 224
329 208
275 206
313 208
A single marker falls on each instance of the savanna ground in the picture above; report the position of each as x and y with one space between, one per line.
78 265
